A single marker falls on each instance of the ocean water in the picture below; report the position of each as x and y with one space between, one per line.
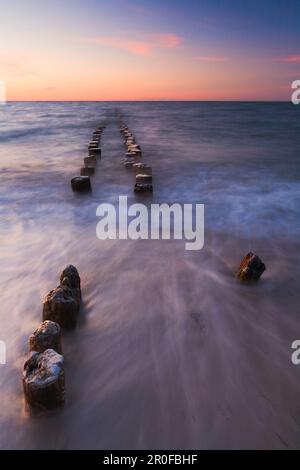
170 352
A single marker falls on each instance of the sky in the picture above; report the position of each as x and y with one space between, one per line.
150 49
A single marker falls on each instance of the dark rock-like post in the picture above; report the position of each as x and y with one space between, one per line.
46 336
44 380
251 268
81 183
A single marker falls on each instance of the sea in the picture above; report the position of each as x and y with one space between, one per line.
170 352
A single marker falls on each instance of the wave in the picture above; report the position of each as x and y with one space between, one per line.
21 133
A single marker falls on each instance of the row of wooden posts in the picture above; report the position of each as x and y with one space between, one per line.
83 182
44 374
133 157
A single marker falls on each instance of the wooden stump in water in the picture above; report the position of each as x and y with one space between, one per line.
87 171
128 162
46 336
71 272
81 183
142 168
251 268
62 305
143 178
95 152
44 380
143 188
90 161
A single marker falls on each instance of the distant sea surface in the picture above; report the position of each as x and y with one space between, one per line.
170 352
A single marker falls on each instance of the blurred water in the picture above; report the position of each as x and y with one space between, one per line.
170 352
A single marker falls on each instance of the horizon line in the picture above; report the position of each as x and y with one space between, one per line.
155 100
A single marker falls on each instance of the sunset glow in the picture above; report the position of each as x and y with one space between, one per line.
119 50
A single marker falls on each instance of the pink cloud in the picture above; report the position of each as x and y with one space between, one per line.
141 47
211 59
290 59
167 40
135 47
